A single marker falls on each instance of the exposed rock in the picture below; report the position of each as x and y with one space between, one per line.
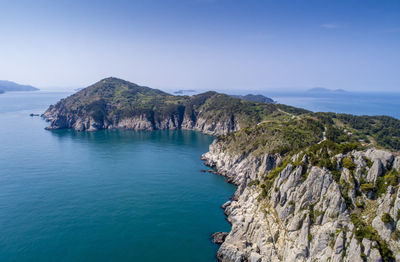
219 237
302 218
375 171
396 163
384 156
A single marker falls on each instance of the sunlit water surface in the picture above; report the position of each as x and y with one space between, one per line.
103 196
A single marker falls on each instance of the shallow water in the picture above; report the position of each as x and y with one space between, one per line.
103 196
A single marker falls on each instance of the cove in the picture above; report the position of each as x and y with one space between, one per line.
111 195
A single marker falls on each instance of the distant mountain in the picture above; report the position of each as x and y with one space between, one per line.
184 91
255 98
8 86
325 90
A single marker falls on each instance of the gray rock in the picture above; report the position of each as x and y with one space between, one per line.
280 228
375 171
396 163
384 156
219 237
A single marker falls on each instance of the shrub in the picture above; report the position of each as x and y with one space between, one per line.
348 163
387 219
366 187
362 230
389 179
254 182
368 162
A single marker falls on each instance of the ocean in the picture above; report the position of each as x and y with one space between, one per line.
357 103
120 195
103 196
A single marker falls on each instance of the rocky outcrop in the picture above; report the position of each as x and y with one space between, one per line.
59 120
307 214
219 237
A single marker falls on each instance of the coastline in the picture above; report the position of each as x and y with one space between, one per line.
302 178
305 217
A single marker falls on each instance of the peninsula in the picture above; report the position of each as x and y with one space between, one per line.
310 186
8 86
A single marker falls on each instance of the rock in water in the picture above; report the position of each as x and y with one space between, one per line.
219 237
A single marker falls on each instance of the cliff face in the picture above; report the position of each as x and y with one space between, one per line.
60 120
115 103
310 185
310 213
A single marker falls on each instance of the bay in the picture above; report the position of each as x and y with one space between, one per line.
111 195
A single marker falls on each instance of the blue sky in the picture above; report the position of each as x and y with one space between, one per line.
203 44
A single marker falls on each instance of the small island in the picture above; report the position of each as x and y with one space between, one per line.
8 86
325 90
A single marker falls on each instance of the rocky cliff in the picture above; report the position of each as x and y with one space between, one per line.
294 210
115 103
138 122
311 186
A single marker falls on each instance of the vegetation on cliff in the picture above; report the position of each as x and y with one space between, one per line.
300 151
112 99
265 127
283 132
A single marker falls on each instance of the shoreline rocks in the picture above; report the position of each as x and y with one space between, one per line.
219 237
302 219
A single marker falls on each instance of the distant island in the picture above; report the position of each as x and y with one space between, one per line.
8 86
255 98
184 91
325 90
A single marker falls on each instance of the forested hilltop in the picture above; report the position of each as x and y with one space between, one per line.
115 103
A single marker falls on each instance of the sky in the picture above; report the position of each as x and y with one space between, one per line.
203 44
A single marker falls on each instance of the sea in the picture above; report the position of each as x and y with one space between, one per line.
119 195
113 195
356 103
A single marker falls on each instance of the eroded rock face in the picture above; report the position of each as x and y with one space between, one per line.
305 216
59 119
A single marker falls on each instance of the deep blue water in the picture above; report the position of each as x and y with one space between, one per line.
103 196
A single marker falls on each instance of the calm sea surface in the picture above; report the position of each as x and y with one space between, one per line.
119 195
357 103
103 196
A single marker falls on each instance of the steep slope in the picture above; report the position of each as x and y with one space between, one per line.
303 197
115 103
255 98
311 186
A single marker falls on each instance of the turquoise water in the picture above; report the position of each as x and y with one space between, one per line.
103 196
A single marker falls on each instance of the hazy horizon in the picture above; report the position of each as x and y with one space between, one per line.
203 44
